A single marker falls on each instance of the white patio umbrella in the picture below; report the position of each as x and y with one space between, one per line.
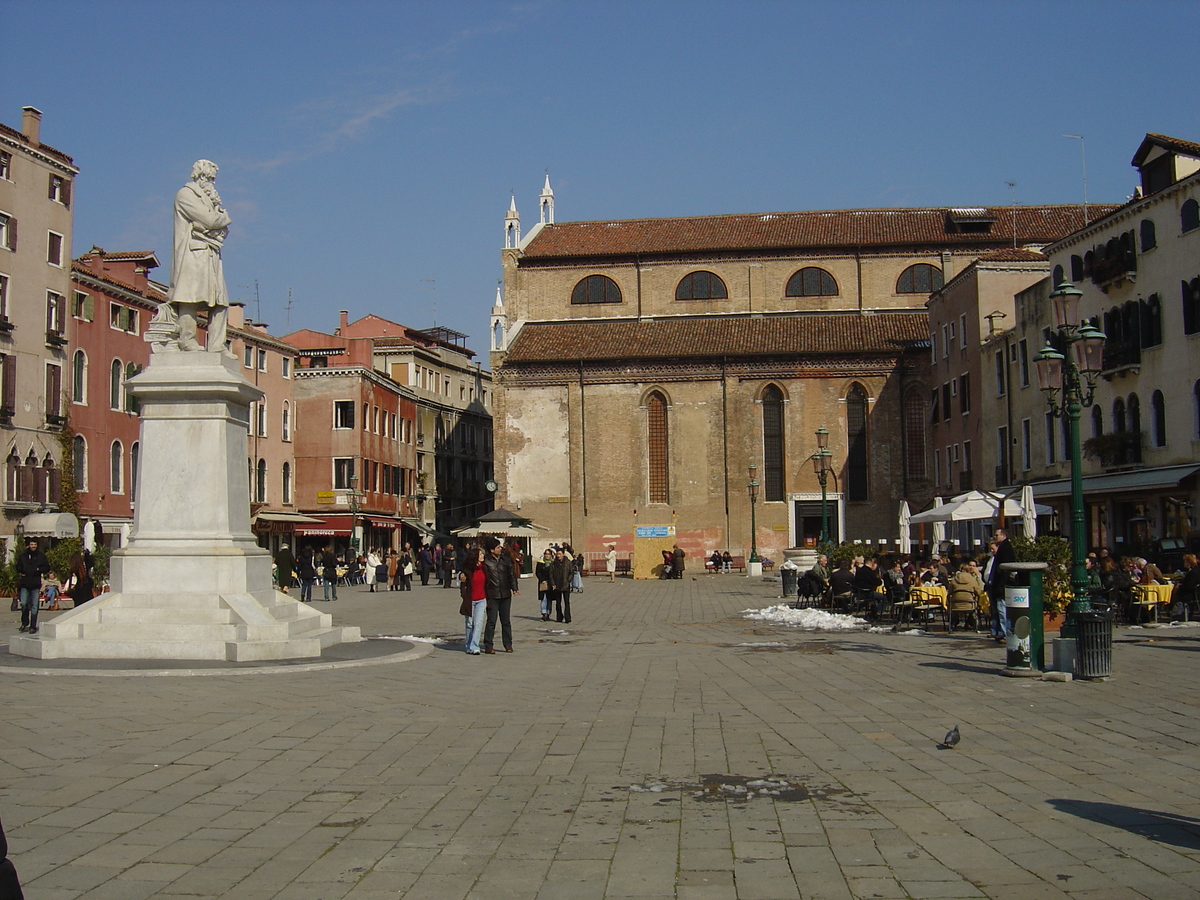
939 527
1029 512
905 529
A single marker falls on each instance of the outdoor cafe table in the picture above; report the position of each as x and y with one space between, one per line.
1152 595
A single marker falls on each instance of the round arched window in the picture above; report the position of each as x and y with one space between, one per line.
701 286
811 281
596 289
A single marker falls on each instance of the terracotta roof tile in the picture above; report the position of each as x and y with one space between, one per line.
716 336
1012 254
149 293
828 229
44 148
1176 145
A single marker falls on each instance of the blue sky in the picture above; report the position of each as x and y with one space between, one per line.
367 149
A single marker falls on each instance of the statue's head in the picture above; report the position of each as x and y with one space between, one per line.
204 168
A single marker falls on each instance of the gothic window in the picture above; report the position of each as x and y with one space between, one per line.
915 448
1191 305
773 463
701 286
919 279
811 281
1151 322
596 289
1149 241
114 385
1189 216
79 462
260 482
1158 412
115 467
657 436
79 377
1118 415
856 443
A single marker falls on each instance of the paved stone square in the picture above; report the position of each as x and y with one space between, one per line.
659 746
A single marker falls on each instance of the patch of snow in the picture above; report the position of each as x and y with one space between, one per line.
807 619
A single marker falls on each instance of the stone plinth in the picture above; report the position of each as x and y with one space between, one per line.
192 583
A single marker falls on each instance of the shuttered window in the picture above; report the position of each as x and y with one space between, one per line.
772 415
658 470
856 434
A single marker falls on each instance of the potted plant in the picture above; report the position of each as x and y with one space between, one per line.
1056 580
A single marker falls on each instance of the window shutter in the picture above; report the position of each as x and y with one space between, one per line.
9 400
12 233
89 308
55 485
66 193
25 483
53 390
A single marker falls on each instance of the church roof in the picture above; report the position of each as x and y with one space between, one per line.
823 229
686 337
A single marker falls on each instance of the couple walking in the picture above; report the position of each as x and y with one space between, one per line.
555 572
488 582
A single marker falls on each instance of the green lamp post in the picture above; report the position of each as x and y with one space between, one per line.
822 462
752 488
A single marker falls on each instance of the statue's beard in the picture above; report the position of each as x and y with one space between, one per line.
210 191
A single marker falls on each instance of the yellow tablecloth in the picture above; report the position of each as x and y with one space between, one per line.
1161 593
928 593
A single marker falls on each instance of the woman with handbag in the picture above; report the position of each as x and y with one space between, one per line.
472 588
542 573
372 570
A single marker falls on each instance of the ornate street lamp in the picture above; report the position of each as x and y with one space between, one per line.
822 463
352 496
1069 383
752 488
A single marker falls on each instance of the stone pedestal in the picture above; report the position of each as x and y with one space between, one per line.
192 583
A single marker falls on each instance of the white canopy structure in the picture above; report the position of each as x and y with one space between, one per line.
973 506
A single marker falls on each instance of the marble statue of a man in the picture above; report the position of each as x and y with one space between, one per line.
197 278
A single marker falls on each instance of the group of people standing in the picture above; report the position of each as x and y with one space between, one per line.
559 573
35 579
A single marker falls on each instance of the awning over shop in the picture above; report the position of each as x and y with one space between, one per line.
277 522
1163 478
331 526
53 525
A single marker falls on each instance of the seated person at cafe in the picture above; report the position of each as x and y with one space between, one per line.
963 593
866 580
841 583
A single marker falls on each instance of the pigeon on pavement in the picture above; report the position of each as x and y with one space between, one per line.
952 737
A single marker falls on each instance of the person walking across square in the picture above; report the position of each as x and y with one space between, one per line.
32 567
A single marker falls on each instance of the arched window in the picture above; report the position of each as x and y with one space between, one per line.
811 281
1151 322
856 444
1189 215
287 483
114 385
497 337
134 453
286 431
657 437
1133 409
1196 411
1097 422
919 279
701 286
916 450
1076 268
1118 416
260 484
773 462
1057 279
1149 241
116 466
1191 305
79 377
1158 412
596 289
131 404
79 463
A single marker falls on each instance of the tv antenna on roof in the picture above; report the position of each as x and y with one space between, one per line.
1083 158
1012 195
288 307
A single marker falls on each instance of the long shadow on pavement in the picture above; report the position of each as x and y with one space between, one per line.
1165 828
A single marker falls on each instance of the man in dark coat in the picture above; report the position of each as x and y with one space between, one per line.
32 567
677 562
285 565
997 578
561 570
500 584
10 887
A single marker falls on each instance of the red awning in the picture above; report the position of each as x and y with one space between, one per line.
333 526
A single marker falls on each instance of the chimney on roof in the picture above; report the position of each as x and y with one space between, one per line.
31 124
343 320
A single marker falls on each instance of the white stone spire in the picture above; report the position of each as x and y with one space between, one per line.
546 203
512 226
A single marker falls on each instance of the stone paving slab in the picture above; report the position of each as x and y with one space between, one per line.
612 758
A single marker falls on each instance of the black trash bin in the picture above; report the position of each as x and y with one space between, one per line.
791 578
1093 643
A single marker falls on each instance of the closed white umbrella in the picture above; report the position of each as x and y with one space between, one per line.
1028 512
905 528
939 528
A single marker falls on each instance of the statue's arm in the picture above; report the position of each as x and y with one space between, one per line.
200 211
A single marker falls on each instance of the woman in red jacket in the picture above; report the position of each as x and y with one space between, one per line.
473 579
